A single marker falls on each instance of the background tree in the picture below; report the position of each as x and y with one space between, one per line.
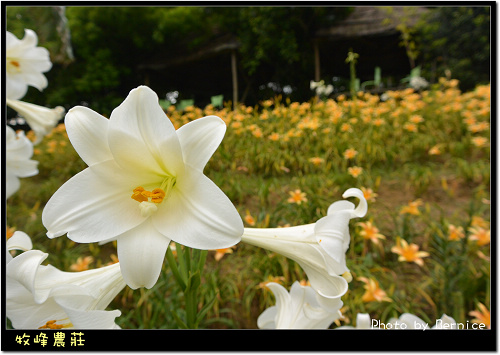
109 45
456 39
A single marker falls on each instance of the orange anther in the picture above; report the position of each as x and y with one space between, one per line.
138 194
51 325
142 195
157 195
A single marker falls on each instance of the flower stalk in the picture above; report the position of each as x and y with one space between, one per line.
187 267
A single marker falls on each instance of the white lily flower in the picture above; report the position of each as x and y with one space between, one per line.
18 241
319 248
144 186
302 308
418 83
40 119
39 296
19 150
25 64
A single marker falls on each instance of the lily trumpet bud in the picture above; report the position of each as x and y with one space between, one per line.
319 248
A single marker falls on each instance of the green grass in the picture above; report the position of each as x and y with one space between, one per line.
257 172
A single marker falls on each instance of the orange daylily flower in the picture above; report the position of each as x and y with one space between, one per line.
479 222
114 259
277 279
412 208
410 127
409 252
219 253
370 232
350 153
249 218
81 264
297 197
10 232
416 119
435 150
479 141
274 137
316 160
481 235
369 194
455 233
378 121
345 127
478 127
482 316
355 171
373 291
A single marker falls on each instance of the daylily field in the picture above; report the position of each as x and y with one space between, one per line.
421 159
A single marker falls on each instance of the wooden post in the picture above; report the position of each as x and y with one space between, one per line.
317 73
235 79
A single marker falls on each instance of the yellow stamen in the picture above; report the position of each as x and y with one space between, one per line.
142 195
51 324
156 195
15 63
137 194
148 200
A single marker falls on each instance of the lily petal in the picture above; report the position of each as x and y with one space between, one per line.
101 187
141 136
15 88
284 306
362 207
23 268
267 318
199 140
84 319
88 132
19 150
18 241
141 259
12 184
198 214
332 234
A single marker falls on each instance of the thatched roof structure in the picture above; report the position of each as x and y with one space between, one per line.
220 55
222 44
372 21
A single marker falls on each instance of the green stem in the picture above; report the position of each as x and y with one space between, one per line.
182 262
191 308
187 269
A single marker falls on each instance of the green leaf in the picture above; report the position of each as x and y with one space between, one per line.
179 321
204 310
175 271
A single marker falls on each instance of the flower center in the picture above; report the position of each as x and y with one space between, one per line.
409 255
13 66
51 324
149 200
